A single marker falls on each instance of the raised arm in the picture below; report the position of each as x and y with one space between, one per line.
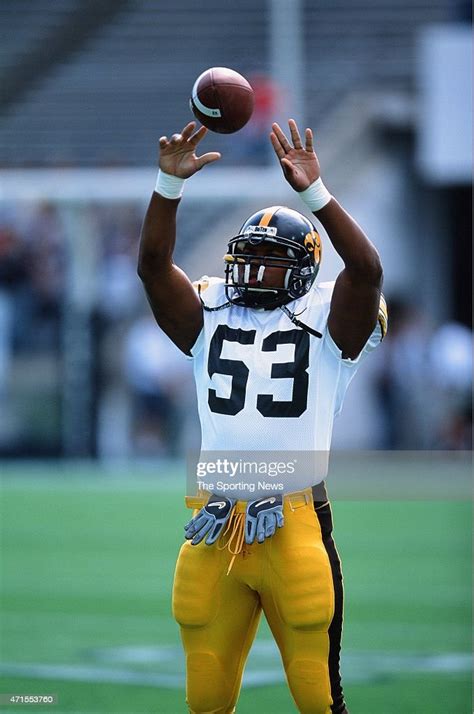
356 296
175 304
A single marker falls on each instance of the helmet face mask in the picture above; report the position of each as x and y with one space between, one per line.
291 243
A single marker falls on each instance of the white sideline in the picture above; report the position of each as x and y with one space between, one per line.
357 667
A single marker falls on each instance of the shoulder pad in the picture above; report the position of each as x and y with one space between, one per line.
383 315
205 282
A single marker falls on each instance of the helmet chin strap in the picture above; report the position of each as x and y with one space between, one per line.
292 316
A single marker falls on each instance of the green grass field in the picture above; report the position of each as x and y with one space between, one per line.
87 564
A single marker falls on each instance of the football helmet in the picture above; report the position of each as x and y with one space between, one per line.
299 253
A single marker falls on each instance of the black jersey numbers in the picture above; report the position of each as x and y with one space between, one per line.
296 370
238 370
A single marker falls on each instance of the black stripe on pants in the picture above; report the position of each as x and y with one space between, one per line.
324 515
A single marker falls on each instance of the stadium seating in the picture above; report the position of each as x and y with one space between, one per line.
126 69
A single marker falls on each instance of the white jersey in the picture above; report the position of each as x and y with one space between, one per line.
264 383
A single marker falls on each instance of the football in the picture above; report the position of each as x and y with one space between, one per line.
222 100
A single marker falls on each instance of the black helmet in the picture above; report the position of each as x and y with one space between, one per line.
280 226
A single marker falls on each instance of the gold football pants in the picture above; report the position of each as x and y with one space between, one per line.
294 577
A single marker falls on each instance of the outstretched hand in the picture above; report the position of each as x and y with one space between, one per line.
177 155
300 164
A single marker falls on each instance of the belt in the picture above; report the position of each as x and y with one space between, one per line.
293 500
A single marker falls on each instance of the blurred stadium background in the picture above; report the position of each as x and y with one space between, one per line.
97 410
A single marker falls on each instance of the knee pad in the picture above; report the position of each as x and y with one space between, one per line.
208 691
310 686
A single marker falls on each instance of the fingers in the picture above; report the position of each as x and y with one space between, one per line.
188 130
186 136
266 526
282 140
261 523
202 532
295 135
176 139
279 150
198 136
270 525
194 525
207 158
281 144
250 531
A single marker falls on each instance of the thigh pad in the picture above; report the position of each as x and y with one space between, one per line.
196 595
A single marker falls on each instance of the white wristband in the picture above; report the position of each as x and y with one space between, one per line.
315 196
169 186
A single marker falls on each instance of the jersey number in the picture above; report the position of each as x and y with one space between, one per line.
238 370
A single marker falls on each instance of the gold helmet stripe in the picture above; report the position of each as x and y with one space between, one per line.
267 217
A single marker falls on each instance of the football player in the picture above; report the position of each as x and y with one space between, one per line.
274 554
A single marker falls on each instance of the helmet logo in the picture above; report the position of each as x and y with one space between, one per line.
309 241
312 243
